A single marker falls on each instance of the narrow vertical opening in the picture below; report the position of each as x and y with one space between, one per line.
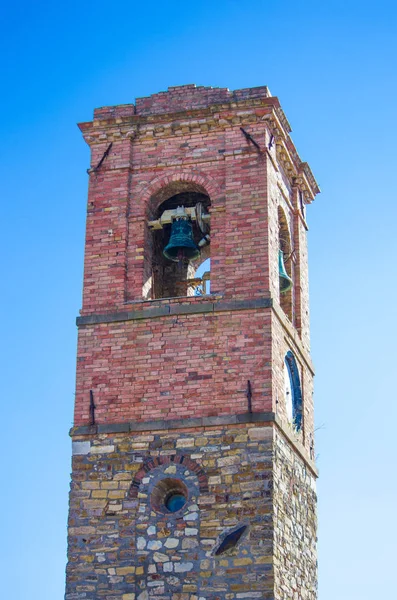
293 391
285 265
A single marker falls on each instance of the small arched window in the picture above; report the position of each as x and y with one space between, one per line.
285 265
293 391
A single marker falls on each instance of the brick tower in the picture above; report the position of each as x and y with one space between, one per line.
193 473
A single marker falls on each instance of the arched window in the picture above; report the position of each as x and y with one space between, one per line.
172 273
285 265
202 278
293 392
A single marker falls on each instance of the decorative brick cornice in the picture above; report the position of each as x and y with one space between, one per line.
298 172
168 125
234 111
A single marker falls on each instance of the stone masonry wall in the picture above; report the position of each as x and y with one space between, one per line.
123 547
295 525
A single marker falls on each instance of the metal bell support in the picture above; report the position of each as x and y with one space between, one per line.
181 243
285 280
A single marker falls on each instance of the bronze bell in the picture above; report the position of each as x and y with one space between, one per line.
181 244
285 280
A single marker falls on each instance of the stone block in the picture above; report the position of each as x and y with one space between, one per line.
102 449
80 448
260 433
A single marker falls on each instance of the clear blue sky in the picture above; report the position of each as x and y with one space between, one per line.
333 66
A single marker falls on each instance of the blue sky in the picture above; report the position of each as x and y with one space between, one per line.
332 64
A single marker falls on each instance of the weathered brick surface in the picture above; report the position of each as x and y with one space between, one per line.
155 155
187 366
180 99
155 360
281 343
175 366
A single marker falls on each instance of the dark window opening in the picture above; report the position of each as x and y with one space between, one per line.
231 540
169 495
285 265
175 502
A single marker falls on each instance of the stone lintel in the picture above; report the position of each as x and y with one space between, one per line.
169 309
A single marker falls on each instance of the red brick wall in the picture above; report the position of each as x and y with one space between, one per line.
189 139
123 198
174 367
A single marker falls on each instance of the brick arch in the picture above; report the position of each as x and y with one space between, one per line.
152 194
154 462
164 186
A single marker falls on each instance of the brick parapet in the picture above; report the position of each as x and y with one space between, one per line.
181 99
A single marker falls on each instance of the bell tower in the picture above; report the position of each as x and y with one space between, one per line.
193 471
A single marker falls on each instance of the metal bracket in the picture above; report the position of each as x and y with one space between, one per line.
249 396
250 139
89 171
92 408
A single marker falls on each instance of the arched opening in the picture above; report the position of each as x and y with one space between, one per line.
293 391
202 277
179 235
169 495
231 540
285 265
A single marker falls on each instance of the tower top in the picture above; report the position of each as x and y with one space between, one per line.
213 108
